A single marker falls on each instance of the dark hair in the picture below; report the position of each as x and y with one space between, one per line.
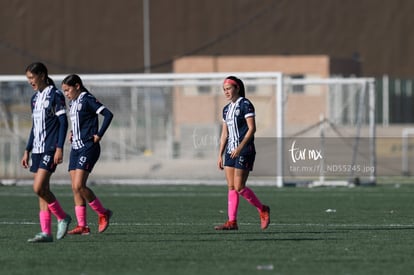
39 68
74 79
242 91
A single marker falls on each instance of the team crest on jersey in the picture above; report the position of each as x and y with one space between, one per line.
79 106
237 112
46 104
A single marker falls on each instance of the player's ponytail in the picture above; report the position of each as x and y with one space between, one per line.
50 81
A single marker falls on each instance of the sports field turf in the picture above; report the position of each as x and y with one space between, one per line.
169 230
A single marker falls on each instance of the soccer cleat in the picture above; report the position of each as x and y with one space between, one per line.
63 226
41 238
229 225
104 221
265 217
80 230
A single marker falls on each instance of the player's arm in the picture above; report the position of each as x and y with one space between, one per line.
29 145
105 124
251 124
25 159
63 127
223 143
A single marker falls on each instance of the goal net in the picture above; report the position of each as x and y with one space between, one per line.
328 131
167 127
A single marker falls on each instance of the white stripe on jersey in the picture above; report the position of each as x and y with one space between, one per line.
233 129
74 118
39 121
100 109
61 112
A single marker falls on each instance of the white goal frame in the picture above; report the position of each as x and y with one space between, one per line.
406 133
368 85
276 79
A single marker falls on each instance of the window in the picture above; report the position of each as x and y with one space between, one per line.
298 88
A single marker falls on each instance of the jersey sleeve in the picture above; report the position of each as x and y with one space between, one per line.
99 108
29 145
94 104
60 108
107 120
224 114
247 108
60 111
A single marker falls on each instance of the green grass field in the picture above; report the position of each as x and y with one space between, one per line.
169 230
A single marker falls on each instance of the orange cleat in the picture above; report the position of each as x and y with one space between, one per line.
265 217
80 230
104 221
229 225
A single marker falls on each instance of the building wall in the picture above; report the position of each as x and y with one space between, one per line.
307 65
100 36
305 108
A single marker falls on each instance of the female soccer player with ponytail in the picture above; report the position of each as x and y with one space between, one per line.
237 146
45 144
84 110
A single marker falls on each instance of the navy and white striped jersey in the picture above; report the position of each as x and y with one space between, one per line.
84 112
47 106
234 115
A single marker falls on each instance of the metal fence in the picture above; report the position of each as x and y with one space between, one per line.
167 126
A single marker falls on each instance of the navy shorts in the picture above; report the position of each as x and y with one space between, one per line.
84 158
241 162
44 161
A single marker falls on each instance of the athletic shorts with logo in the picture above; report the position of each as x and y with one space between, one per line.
84 158
244 162
43 161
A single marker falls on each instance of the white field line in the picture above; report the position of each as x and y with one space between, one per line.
243 224
145 182
135 194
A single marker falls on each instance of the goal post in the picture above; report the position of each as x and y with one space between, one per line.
167 125
350 105
406 134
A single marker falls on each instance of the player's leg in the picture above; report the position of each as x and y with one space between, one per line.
232 196
241 173
83 194
45 218
240 178
80 165
48 201
232 199
82 227
41 184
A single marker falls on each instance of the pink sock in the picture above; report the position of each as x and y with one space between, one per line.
96 205
233 204
249 195
45 221
80 211
57 210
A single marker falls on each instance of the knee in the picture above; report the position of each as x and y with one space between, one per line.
238 189
37 190
77 188
40 190
235 188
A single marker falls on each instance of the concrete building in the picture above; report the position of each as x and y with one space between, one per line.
306 104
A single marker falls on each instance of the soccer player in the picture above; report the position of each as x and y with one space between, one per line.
85 137
237 146
46 140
